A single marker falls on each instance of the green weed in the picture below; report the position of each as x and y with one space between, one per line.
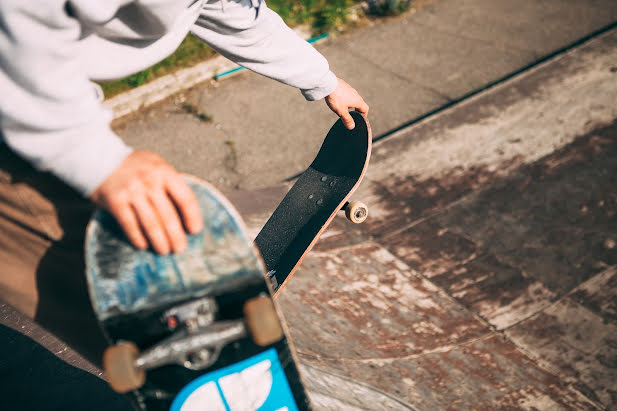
388 7
195 111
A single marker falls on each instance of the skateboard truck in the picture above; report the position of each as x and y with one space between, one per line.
355 211
196 345
193 315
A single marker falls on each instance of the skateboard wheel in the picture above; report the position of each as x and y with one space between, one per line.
262 321
119 365
356 212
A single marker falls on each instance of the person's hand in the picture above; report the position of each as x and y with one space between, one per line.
151 202
343 99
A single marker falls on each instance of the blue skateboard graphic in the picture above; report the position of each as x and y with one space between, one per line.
258 383
191 330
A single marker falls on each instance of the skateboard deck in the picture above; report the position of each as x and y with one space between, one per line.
316 197
196 330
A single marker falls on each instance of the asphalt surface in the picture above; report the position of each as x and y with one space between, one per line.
263 132
486 275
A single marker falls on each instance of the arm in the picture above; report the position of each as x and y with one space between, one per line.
50 114
258 39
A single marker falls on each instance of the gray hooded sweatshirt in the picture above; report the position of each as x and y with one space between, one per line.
52 50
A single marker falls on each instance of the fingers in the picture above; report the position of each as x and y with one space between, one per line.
151 202
344 98
362 107
160 221
186 203
130 225
347 119
152 225
341 110
171 229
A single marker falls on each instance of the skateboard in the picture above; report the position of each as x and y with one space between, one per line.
315 199
196 330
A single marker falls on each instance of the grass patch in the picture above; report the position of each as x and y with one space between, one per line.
195 111
322 15
387 7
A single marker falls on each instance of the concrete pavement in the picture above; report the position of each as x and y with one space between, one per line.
486 274
263 133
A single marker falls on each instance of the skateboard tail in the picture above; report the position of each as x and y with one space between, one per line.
123 280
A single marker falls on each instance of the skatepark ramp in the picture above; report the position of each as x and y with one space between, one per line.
486 274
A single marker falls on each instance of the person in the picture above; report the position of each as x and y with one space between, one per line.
59 156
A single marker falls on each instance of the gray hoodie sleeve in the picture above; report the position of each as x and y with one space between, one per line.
250 34
50 112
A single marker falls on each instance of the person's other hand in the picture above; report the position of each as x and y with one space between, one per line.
343 99
151 202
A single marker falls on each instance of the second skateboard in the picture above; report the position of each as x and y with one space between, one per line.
314 200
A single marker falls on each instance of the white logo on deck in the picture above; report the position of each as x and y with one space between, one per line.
258 383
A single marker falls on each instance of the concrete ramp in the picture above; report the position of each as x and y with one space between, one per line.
486 275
